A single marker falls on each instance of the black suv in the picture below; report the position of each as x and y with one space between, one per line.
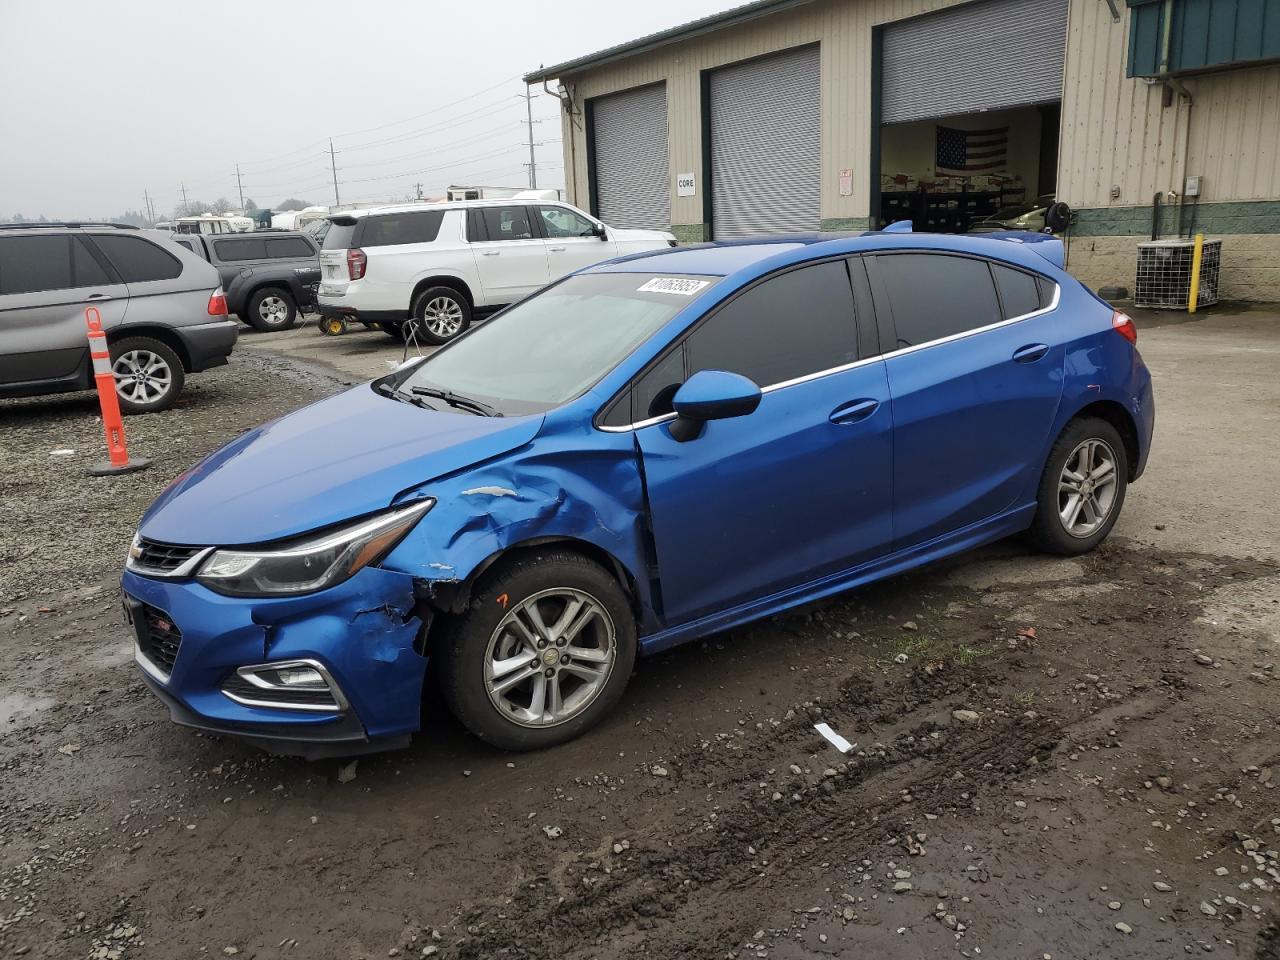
267 274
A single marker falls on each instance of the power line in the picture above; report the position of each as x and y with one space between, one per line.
446 106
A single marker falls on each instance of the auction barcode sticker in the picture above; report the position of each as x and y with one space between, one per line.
678 285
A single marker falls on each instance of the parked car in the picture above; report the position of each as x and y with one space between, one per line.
162 308
647 452
267 275
1017 216
444 263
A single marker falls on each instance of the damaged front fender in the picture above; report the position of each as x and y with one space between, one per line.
575 484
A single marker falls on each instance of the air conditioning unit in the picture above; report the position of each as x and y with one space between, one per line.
1164 274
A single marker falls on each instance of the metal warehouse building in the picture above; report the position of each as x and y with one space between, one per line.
800 115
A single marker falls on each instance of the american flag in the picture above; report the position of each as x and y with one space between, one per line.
971 151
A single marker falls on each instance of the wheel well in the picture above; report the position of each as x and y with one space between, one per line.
451 282
274 284
1116 415
456 597
163 334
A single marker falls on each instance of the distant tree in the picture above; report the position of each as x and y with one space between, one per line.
293 204
221 205
249 204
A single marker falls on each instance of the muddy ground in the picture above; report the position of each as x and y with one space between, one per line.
1054 758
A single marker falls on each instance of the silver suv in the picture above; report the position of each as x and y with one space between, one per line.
162 308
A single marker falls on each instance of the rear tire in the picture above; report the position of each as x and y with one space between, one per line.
440 314
572 669
148 374
1082 489
272 308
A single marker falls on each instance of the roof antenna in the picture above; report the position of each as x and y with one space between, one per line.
898 226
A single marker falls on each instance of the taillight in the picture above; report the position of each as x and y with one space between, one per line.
1122 324
356 264
218 303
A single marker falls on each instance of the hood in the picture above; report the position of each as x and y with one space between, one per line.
331 461
657 236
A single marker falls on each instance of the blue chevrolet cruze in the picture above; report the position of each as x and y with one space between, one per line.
643 453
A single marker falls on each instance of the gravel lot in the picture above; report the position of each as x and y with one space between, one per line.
1054 758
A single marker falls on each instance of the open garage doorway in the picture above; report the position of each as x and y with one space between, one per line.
967 117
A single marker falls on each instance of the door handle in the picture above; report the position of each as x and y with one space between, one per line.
557 249
1030 353
97 297
490 253
854 411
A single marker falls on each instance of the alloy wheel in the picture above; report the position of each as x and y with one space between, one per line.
1087 488
142 376
273 311
550 657
442 316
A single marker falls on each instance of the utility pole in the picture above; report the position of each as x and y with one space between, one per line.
146 202
333 165
185 208
240 187
528 98
419 188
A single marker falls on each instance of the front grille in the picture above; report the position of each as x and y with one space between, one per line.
158 637
162 557
237 686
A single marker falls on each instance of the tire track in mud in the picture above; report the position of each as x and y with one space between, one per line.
700 891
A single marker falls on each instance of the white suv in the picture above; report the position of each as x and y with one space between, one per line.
442 263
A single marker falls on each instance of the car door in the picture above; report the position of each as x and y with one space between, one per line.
975 371
795 491
46 284
510 255
572 240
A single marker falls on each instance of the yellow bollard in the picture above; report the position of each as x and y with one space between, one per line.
1194 296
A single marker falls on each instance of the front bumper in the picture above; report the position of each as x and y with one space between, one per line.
364 632
209 344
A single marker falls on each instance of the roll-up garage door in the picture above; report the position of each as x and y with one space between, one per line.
632 187
766 145
979 56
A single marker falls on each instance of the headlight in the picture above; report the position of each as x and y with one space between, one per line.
309 563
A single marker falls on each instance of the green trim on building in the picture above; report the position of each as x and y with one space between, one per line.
1231 217
691 232
840 224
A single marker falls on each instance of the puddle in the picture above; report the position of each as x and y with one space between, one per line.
17 708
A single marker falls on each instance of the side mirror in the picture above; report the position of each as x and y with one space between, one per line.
711 395
599 230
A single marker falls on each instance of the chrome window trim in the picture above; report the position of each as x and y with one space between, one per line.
1053 305
248 672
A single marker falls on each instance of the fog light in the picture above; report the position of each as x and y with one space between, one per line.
300 677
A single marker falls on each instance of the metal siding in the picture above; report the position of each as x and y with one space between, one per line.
632 182
766 145
984 56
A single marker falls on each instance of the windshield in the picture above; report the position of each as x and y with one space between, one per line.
548 349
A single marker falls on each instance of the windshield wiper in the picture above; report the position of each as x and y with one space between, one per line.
456 400
389 391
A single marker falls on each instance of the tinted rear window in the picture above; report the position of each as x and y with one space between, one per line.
341 234
31 264
86 271
248 248
935 296
393 229
138 260
280 248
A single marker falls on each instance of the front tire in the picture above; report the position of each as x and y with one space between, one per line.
148 375
543 652
440 314
272 308
1082 489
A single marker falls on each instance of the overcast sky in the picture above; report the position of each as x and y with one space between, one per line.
100 101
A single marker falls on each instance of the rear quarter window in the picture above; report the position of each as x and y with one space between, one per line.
1019 294
247 248
393 229
283 248
138 260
